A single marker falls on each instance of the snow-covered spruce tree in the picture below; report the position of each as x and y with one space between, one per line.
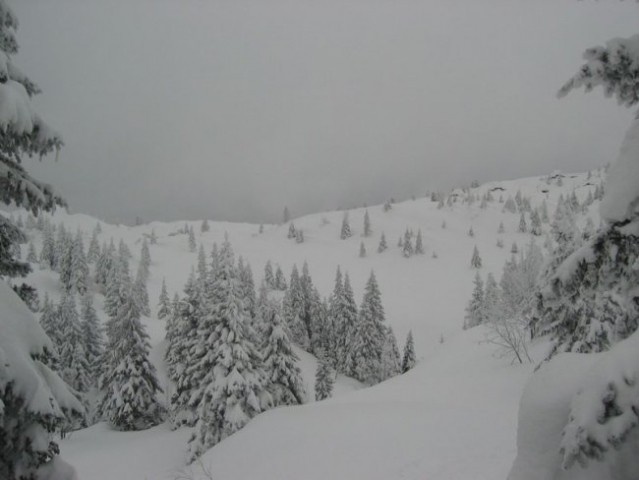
140 293
10 236
535 223
92 336
345 231
324 380
49 321
291 231
475 261
475 311
280 280
164 305
407 245
510 205
514 249
192 243
382 244
362 250
523 228
129 389
205 226
94 248
280 362
182 339
233 387
145 261
311 312
247 287
35 401
124 253
501 228
269 278
419 244
391 360
293 311
409 360
47 254
343 321
366 351
368 231
79 266
299 236
73 362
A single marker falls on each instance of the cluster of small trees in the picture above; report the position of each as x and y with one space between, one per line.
505 307
228 353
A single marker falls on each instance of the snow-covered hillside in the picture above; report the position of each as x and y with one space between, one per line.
452 417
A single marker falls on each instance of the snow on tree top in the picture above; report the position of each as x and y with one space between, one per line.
21 338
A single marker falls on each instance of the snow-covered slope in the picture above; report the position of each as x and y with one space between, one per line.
453 416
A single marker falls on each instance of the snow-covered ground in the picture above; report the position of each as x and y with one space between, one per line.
453 417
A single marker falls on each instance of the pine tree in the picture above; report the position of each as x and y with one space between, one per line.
367 225
344 321
79 267
299 236
192 243
129 388
94 248
510 205
475 311
362 250
50 321
233 387
514 249
293 311
291 231
475 261
47 254
280 362
74 365
522 224
205 226
419 246
366 352
501 228
269 279
153 238
471 232
382 244
391 360
164 305
324 380
407 245
92 336
280 281
145 261
409 360
345 232
535 223
140 293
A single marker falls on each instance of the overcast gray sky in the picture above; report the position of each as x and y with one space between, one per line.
185 109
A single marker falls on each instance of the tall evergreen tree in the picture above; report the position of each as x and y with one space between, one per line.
233 387
391 359
293 311
280 362
164 305
269 278
366 352
324 380
280 281
145 261
523 228
129 389
205 226
79 267
192 243
367 225
291 231
475 261
409 360
92 336
345 231
31 254
94 248
407 245
419 244
382 244
475 311
362 250
74 365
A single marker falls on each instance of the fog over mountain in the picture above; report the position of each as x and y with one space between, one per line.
231 110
